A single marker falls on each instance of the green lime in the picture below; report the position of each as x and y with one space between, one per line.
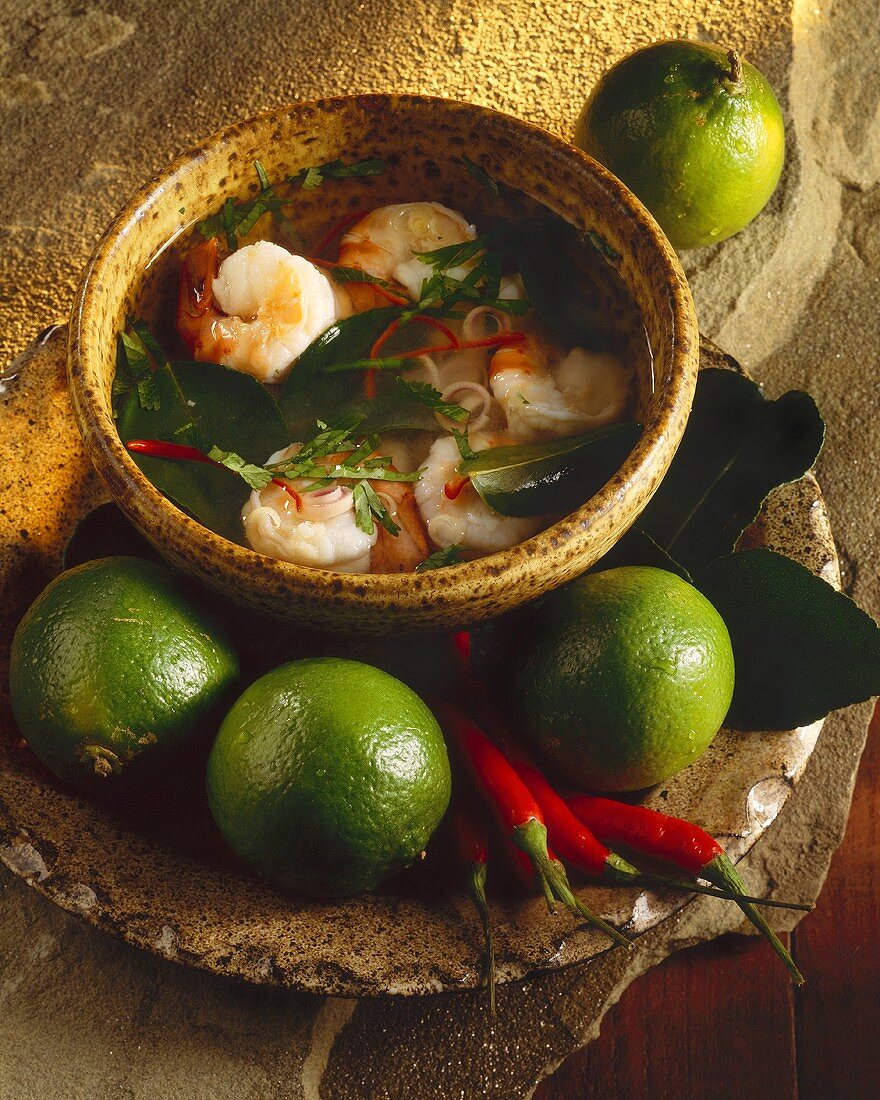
328 775
621 679
114 670
694 131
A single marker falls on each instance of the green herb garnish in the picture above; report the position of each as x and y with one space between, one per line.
237 219
256 476
441 558
138 352
355 275
481 284
424 392
313 177
357 466
368 506
464 448
481 176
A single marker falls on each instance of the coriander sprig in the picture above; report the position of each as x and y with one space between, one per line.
312 178
480 286
451 555
237 219
317 460
139 352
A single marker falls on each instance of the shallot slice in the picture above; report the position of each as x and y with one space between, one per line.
324 504
481 411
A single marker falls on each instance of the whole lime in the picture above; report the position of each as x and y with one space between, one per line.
620 679
694 131
327 776
114 670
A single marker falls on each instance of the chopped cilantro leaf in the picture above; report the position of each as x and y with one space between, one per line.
424 392
451 555
482 176
255 476
313 177
463 444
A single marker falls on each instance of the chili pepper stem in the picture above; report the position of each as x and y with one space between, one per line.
477 889
622 873
722 871
531 837
722 894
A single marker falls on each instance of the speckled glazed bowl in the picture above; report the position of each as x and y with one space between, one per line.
422 140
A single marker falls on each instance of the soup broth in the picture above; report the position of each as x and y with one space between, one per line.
420 379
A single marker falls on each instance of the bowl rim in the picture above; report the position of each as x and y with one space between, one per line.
384 592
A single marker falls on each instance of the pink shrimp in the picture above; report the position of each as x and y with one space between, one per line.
402 552
384 244
258 310
584 391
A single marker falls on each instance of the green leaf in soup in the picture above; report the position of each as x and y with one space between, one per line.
203 405
536 479
736 449
801 649
314 391
546 256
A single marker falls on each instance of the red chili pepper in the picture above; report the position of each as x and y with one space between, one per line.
473 847
461 642
383 337
337 229
424 319
500 339
684 845
454 486
573 840
518 813
668 838
158 448
421 319
297 499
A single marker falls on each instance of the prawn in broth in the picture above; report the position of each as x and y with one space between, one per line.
398 383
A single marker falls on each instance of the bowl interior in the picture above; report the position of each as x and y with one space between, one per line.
637 282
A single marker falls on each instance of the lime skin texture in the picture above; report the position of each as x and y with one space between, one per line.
702 151
327 776
622 679
115 672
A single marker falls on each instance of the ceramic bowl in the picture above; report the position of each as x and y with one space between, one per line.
422 140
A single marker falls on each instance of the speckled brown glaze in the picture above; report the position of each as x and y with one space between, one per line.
169 887
418 136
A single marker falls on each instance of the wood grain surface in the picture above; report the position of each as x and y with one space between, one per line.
721 1020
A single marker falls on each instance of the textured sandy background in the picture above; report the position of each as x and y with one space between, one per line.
94 98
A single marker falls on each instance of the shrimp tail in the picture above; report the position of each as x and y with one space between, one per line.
195 301
400 553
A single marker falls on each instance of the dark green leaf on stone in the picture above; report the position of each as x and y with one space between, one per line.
801 649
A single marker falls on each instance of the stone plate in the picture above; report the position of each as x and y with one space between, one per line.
162 880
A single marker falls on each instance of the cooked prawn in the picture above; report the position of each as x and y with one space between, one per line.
317 527
402 552
258 310
384 242
453 511
588 389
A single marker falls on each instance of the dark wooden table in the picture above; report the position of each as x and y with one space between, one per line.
722 1020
